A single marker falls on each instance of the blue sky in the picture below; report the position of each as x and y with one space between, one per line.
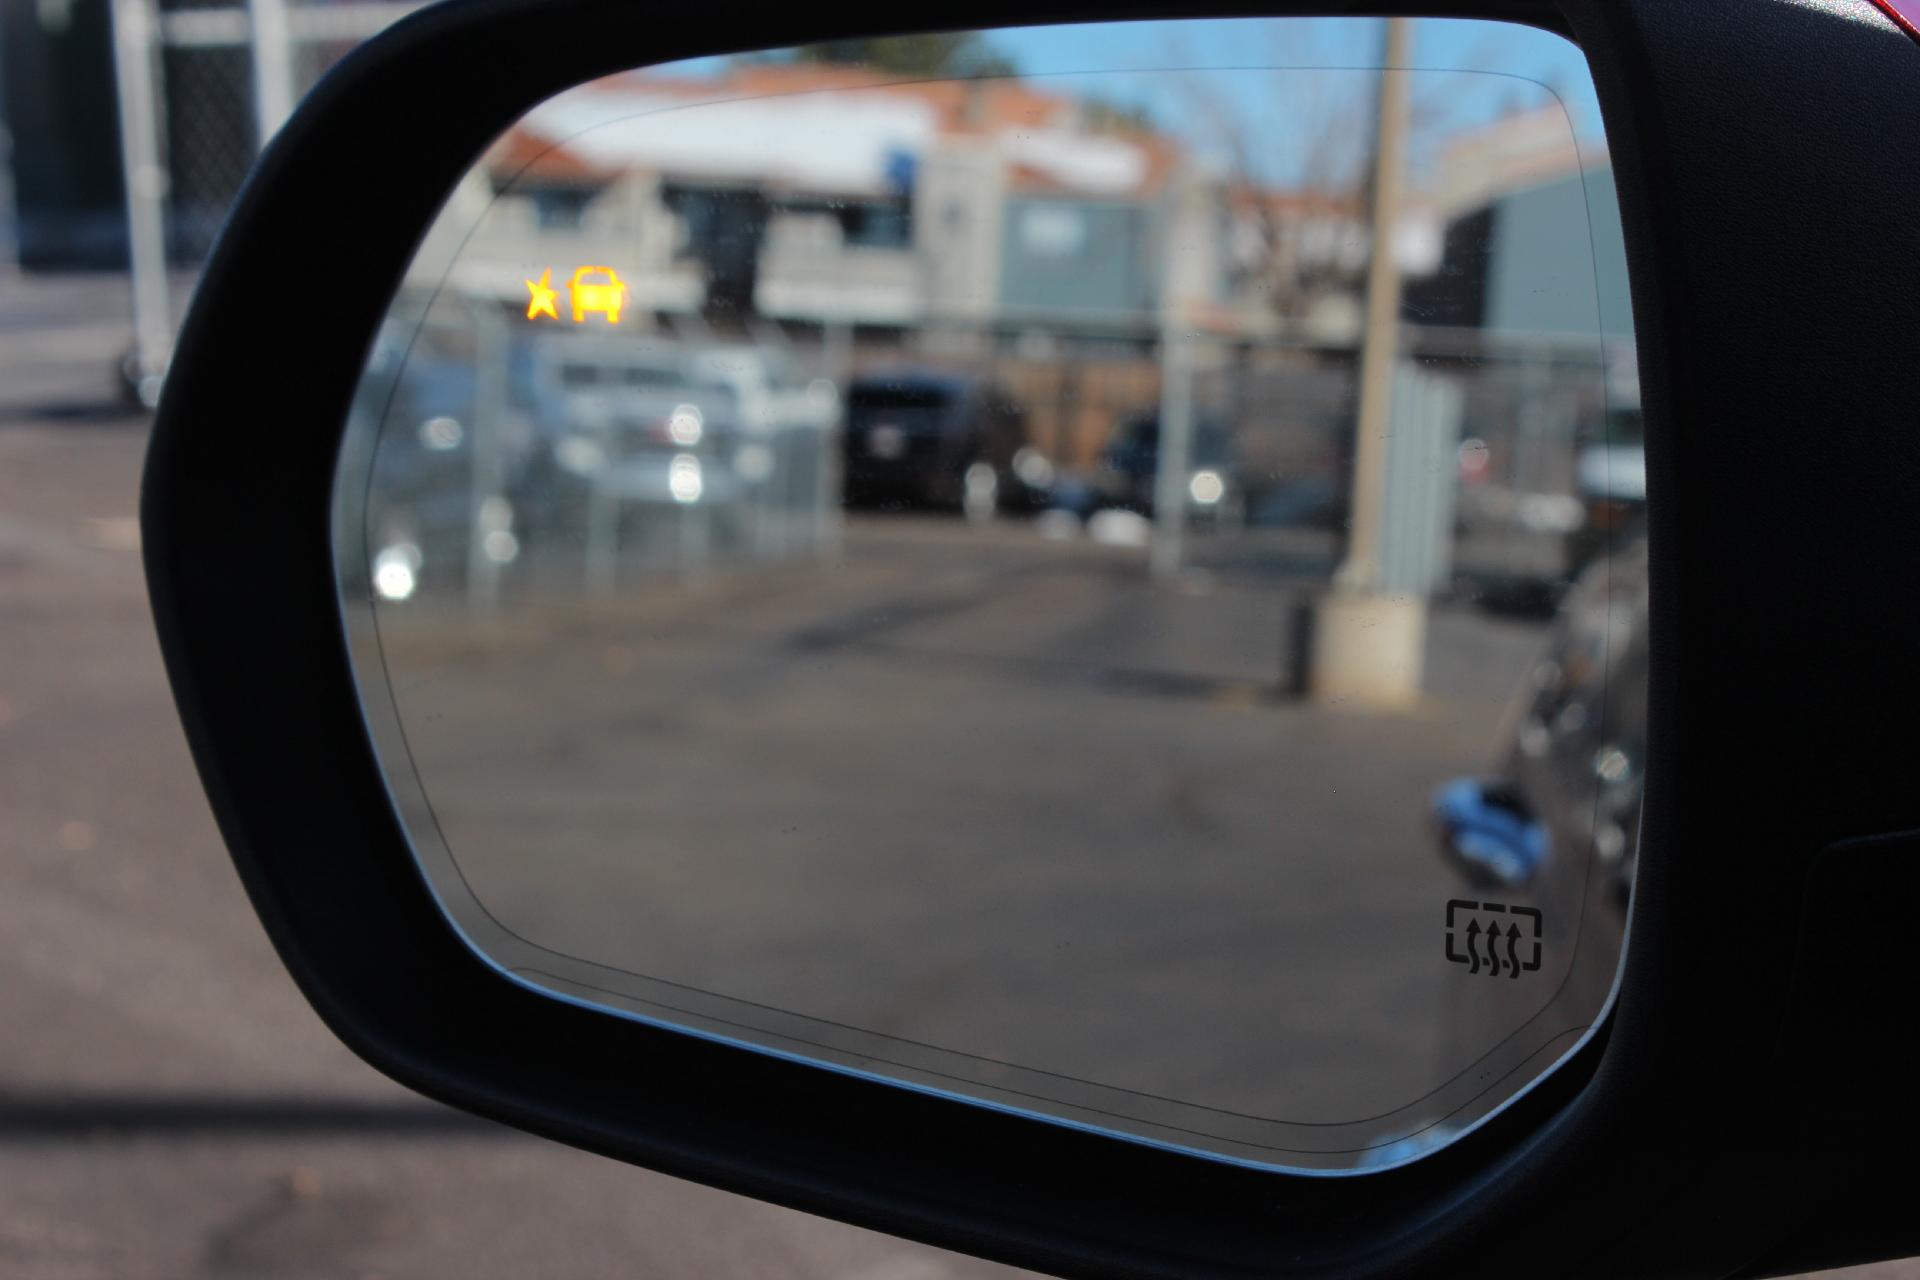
1513 54
1280 82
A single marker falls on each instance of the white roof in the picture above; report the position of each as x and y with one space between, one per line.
1089 162
821 141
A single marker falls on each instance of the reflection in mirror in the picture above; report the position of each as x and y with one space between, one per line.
1095 570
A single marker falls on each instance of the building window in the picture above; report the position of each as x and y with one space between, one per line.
560 208
877 225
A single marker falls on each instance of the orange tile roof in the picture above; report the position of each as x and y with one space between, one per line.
963 108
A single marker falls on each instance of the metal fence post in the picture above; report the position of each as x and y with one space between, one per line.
1173 450
1174 447
601 552
135 58
486 461
272 45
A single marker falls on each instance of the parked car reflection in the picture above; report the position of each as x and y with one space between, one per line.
920 437
430 518
1570 785
1127 471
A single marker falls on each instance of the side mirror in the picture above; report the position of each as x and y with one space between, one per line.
991 887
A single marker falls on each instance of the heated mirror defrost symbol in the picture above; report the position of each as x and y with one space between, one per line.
1493 937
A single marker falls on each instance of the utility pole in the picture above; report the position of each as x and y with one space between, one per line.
1368 645
1379 345
135 38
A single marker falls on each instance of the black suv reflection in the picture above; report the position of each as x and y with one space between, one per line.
928 438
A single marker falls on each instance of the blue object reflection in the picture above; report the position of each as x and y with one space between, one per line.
1488 832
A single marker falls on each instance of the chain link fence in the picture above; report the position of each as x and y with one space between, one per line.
1513 413
210 140
202 84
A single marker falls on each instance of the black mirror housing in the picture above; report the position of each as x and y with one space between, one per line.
1764 155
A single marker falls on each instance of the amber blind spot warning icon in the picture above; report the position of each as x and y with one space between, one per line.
541 302
592 290
604 296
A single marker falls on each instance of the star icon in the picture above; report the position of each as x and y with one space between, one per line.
542 303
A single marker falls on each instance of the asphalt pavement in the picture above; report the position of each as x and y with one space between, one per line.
170 1108
1019 812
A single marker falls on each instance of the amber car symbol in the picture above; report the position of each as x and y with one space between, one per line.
606 296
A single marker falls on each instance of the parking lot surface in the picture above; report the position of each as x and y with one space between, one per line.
170 1108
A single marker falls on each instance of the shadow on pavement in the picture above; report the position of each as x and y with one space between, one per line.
59 1117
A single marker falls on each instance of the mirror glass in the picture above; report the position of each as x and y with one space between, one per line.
1097 570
